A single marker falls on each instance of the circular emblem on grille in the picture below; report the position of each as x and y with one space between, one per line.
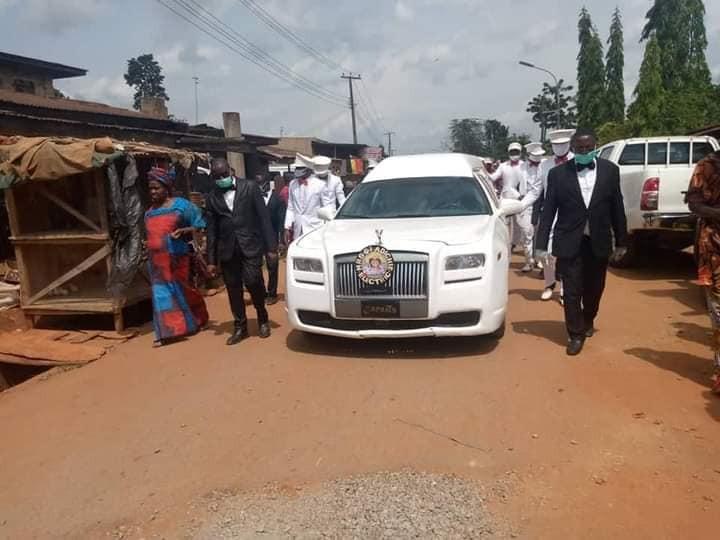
374 265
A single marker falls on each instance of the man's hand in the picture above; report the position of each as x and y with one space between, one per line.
212 270
619 253
176 234
540 254
288 237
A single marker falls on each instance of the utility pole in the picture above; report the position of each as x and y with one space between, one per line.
389 136
197 109
350 78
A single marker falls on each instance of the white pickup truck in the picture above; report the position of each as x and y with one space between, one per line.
654 176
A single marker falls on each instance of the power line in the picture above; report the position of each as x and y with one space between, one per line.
363 101
250 47
288 34
372 105
212 30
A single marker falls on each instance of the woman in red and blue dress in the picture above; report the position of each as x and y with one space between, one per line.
178 309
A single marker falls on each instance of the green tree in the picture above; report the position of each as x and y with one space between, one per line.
144 74
614 71
646 112
466 136
590 74
544 108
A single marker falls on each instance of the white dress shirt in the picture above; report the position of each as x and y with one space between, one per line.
334 194
229 197
514 179
587 179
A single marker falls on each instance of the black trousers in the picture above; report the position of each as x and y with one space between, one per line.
238 273
273 268
584 282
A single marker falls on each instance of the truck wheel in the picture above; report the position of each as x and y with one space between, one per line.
631 255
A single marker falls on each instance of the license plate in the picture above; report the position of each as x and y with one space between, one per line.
380 310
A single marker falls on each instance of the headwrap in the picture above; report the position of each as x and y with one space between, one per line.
164 176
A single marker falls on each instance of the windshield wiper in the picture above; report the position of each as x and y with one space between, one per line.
352 216
407 216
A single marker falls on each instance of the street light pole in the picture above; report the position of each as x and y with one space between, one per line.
197 108
557 86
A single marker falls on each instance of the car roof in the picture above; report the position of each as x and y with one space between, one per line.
671 138
425 165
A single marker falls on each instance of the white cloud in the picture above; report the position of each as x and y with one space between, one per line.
59 16
110 90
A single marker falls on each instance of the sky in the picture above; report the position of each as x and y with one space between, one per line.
423 62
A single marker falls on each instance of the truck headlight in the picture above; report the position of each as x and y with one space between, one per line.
465 262
313 266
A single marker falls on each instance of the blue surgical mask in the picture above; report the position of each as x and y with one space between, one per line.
224 183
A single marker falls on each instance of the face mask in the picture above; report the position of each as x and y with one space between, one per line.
224 183
586 159
561 150
534 159
515 158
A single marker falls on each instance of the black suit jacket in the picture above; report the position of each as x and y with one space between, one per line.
246 228
276 208
606 213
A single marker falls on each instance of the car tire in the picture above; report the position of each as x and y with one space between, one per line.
500 332
630 258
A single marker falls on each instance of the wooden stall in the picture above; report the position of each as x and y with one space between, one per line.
62 232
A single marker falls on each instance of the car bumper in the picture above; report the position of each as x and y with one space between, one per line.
669 222
464 311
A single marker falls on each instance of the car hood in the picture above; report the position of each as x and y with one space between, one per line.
346 235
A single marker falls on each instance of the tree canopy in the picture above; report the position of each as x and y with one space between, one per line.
615 71
590 74
144 74
544 108
487 138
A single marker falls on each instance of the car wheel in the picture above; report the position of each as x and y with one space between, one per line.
629 258
500 332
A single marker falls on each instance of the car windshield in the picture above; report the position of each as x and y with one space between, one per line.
416 197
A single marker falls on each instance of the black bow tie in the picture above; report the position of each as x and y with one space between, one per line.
590 166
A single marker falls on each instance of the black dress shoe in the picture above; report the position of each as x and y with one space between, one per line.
575 346
590 332
237 337
264 330
271 300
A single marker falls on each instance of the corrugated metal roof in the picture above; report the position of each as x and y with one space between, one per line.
56 71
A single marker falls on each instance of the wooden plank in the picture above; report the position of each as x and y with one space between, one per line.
19 255
25 346
21 361
91 261
60 238
42 190
102 200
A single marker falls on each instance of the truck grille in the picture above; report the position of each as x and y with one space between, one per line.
409 278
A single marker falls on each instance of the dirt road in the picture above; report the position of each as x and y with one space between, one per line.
623 441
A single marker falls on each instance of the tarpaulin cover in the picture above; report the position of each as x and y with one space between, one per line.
44 158
126 226
52 158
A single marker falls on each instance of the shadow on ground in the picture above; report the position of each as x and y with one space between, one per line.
660 265
553 331
406 349
691 367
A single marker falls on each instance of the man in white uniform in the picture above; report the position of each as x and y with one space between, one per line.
306 195
514 178
560 140
334 195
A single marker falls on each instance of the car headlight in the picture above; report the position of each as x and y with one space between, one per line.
464 262
314 266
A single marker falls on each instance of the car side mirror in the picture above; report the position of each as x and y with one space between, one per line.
510 207
326 214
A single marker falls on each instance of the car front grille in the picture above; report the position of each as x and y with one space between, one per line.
409 280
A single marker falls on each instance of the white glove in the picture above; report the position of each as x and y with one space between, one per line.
620 252
540 254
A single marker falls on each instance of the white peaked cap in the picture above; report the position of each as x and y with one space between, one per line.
302 161
515 146
561 136
321 164
535 149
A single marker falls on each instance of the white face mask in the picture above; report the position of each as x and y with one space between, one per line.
535 159
515 159
561 150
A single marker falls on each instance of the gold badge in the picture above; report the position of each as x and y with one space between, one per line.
374 265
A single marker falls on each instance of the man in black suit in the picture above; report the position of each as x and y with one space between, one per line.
239 234
276 207
584 194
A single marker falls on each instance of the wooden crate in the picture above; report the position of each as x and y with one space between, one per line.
61 234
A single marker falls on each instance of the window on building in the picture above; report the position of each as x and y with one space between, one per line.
24 86
633 154
657 153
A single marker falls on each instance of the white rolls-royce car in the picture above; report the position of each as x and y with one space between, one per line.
420 248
